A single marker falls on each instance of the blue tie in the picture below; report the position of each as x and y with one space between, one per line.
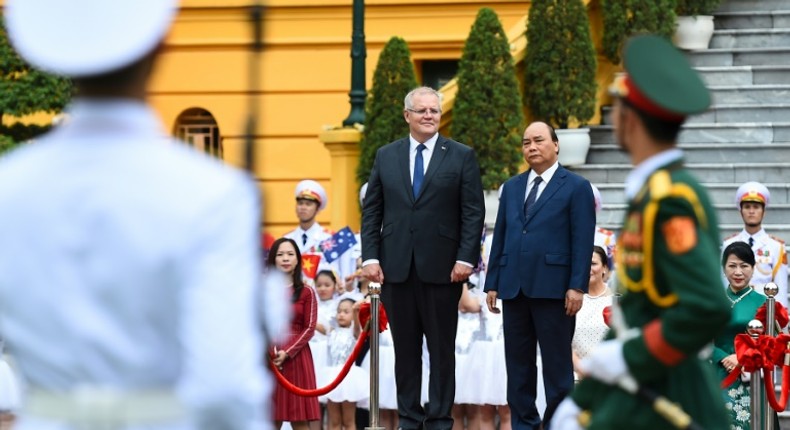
419 171
533 195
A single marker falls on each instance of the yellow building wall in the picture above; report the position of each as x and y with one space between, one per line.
305 76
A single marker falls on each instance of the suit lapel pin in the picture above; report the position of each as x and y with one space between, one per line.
444 148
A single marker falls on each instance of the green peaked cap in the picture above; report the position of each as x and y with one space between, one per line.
663 76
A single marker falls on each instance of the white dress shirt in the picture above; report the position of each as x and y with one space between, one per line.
315 236
546 177
427 153
130 262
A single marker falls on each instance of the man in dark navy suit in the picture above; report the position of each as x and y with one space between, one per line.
421 226
540 268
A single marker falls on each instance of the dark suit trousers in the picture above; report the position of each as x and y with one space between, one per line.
414 309
528 322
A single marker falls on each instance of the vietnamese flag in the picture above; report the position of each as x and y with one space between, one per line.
310 264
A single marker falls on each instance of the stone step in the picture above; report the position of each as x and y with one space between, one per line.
735 132
751 5
751 94
702 153
782 231
739 57
736 173
759 112
752 19
746 75
727 214
750 38
720 193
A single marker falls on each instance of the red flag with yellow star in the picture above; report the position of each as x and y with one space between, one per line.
310 264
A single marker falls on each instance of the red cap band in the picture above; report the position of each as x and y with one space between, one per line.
635 97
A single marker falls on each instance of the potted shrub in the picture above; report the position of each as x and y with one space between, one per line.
393 78
694 23
560 64
488 114
624 18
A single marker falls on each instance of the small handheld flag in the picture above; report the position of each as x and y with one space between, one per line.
338 244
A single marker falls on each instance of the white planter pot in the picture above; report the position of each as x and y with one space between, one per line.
693 32
574 145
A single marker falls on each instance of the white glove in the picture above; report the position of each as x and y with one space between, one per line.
566 417
606 362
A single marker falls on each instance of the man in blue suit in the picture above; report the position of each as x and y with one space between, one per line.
540 267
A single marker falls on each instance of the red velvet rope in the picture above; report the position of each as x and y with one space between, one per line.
770 391
332 385
364 319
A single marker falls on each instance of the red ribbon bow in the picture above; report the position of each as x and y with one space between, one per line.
364 316
754 354
780 315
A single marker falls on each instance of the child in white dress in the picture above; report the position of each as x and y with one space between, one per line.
488 352
464 413
326 290
342 401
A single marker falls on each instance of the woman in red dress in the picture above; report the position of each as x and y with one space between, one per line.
293 357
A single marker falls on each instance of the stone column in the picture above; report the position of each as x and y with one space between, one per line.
343 146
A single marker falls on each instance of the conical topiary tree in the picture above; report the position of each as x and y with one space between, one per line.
559 85
615 28
487 114
393 79
624 18
653 16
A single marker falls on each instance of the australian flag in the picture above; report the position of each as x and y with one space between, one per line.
338 244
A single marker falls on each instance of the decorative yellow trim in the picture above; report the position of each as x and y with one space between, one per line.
779 260
660 187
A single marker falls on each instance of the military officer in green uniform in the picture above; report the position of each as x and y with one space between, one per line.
672 304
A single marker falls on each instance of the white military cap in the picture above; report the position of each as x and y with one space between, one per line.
597 198
752 192
362 192
311 190
79 38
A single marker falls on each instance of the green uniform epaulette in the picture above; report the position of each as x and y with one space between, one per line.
660 186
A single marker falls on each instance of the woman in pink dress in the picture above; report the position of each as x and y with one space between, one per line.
293 356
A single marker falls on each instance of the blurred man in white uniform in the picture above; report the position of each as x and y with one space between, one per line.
129 265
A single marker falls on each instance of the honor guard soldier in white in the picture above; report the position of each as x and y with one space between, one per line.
310 199
752 200
129 265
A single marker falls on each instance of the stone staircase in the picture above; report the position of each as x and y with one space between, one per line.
745 135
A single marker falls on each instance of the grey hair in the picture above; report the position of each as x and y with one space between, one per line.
407 101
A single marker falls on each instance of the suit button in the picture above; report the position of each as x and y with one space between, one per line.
524 231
